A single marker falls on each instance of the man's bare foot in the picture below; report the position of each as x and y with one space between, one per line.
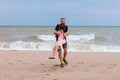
62 65
64 60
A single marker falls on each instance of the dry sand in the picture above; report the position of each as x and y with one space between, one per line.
35 65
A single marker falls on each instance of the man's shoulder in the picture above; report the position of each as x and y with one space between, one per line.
66 25
58 25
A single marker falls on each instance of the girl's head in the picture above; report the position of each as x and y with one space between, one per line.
61 30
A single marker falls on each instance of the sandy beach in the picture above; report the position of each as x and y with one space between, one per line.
35 65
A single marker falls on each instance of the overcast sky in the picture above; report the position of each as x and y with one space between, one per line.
48 12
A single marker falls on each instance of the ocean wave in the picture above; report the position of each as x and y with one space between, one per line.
46 38
71 38
81 38
100 38
74 38
47 46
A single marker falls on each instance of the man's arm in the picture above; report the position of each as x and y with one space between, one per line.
56 32
66 33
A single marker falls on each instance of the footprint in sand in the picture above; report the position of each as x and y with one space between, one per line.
56 65
99 63
113 65
42 64
110 67
29 79
103 71
52 69
81 62
10 63
47 74
19 60
25 63
74 66
118 70
92 66
86 70
34 61
69 70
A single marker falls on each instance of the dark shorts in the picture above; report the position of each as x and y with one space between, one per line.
63 46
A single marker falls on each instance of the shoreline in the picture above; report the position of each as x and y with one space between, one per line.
62 51
35 65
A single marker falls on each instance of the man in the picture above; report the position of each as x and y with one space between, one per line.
64 27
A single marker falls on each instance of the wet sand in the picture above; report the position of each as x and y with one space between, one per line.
35 65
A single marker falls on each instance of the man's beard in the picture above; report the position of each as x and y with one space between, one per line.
62 23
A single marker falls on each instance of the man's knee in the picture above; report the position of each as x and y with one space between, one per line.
59 49
65 49
64 46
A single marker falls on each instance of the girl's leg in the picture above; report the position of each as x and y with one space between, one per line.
57 44
55 50
53 54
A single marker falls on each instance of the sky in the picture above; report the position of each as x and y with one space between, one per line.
48 12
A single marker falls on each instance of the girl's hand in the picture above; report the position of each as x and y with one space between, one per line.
58 33
65 35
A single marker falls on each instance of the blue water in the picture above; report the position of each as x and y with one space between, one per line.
81 38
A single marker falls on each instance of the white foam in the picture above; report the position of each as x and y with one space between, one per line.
93 48
81 38
47 46
72 38
46 38
19 45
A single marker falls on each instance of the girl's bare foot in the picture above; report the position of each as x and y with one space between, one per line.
52 57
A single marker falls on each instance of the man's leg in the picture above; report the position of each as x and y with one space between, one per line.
60 55
65 53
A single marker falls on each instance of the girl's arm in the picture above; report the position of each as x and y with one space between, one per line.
66 34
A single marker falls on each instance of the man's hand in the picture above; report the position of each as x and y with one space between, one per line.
66 34
56 32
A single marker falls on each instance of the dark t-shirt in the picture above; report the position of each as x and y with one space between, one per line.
59 27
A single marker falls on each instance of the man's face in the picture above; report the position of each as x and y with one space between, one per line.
63 21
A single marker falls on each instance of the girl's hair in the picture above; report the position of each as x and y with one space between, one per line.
61 30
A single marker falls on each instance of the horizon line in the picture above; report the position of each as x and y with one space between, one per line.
55 25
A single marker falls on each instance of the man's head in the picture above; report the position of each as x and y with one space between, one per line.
62 21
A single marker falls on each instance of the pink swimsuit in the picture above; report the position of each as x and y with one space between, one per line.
61 40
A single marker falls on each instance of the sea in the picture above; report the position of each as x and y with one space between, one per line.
80 38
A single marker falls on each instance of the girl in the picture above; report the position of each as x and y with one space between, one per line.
59 43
